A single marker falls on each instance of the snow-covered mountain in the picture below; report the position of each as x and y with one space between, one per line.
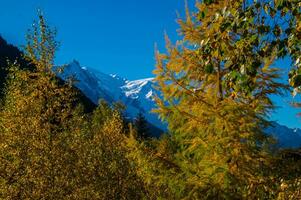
138 96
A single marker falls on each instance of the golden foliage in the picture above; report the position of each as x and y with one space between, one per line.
49 148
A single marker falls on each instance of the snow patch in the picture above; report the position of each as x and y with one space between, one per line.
138 96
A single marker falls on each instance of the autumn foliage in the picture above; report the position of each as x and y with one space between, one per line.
215 94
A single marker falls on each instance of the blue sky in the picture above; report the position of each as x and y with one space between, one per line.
112 36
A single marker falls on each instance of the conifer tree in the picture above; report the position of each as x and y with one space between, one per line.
141 126
216 85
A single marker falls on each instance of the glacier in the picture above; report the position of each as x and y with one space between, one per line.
138 96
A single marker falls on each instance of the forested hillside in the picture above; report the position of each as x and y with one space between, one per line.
215 95
9 53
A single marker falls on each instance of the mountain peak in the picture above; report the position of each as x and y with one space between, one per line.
138 96
137 88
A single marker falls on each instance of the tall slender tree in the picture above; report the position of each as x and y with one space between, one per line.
39 122
141 126
216 85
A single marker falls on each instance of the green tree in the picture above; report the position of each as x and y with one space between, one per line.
141 126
